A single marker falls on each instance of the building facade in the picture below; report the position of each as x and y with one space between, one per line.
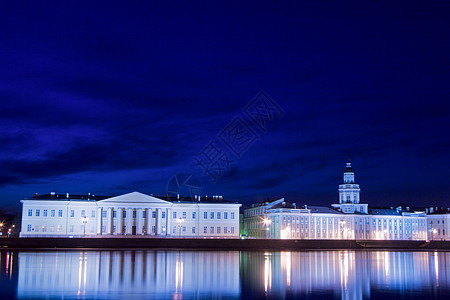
349 219
130 214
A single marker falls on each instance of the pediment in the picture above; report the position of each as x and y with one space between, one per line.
134 197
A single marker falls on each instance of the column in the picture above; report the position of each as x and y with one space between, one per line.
129 220
169 221
119 225
158 221
109 221
139 221
99 220
149 221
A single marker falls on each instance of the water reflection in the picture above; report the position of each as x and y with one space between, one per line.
203 274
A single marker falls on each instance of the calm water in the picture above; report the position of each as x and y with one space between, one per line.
224 275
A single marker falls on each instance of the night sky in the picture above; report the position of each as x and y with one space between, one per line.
113 97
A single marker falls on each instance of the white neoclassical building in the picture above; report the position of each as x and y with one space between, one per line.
55 215
349 219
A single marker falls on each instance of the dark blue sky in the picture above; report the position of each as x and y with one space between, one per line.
112 97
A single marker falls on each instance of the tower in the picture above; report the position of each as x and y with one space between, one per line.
349 191
349 194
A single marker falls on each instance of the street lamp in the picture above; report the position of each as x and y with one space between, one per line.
84 220
1 225
267 222
179 221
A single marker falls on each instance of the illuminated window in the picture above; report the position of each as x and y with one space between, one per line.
225 229
71 228
232 229
36 228
218 229
58 228
211 229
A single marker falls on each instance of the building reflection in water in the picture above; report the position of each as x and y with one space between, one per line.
117 274
204 274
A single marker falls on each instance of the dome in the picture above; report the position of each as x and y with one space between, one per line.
348 168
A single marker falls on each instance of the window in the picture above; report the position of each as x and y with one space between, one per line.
174 215
72 213
174 229
211 229
93 214
218 229
60 213
194 215
163 215
83 213
45 212
212 215
114 228
232 230
104 214
115 214
205 229
44 228
153 214
29 227
30 213
124 214
52 213
52 228
225 215
218 215
232 216
38 212
36 228
134 214
58 228
153 229
225 229
71 228
184 215
205 215
184 228
193 229
144 214
103 228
